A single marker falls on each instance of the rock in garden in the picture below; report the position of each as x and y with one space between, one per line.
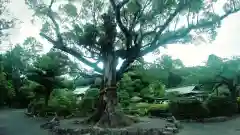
167 133
135 99
51 124
171 129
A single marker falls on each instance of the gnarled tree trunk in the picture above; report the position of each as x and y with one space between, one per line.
108 113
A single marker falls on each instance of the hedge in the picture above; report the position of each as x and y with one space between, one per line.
221 106
188 109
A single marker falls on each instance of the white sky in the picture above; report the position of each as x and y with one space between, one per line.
225 45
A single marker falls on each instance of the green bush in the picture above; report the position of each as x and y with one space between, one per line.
140 109
88 104
159 110
186 108
221 106
143 109
172 95
7 91
62 101
124 98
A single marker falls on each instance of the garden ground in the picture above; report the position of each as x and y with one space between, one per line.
14 122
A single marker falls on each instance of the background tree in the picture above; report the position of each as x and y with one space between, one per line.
47 70
107 30
6 21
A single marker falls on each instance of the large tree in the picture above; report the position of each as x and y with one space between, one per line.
106 30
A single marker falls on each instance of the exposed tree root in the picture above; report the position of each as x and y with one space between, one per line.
116 119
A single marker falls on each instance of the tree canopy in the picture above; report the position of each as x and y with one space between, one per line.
81 28
107 30
7 21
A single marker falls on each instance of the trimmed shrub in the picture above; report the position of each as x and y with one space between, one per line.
88 104
159 110
62 102
140 109
124 98
143 109
221 106
188 108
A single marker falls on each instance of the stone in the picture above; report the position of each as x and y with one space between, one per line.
171 129
178 125
170 125
135 99
167 133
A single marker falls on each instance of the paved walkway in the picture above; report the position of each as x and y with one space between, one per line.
14 122
231 127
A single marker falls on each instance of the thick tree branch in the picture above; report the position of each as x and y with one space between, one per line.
181 33
133 52
59 44
117 9
124 29
72 52
159 29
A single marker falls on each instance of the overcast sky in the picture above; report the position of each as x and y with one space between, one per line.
225 45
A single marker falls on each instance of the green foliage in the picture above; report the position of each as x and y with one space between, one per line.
140 109
30 88
163 106
62 101
188 109
144 109
88 103
70 9
69 84
10 89
6 88
157 89
7 20
47 69
84 26
55 62
172 95
221 106
132 86
124 98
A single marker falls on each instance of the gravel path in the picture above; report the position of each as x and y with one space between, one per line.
14 122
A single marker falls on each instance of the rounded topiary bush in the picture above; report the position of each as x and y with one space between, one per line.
221 106
188 108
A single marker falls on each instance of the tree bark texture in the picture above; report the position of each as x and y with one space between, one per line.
108 113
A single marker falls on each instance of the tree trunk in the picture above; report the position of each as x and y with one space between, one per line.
47 97
233 93
108 113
